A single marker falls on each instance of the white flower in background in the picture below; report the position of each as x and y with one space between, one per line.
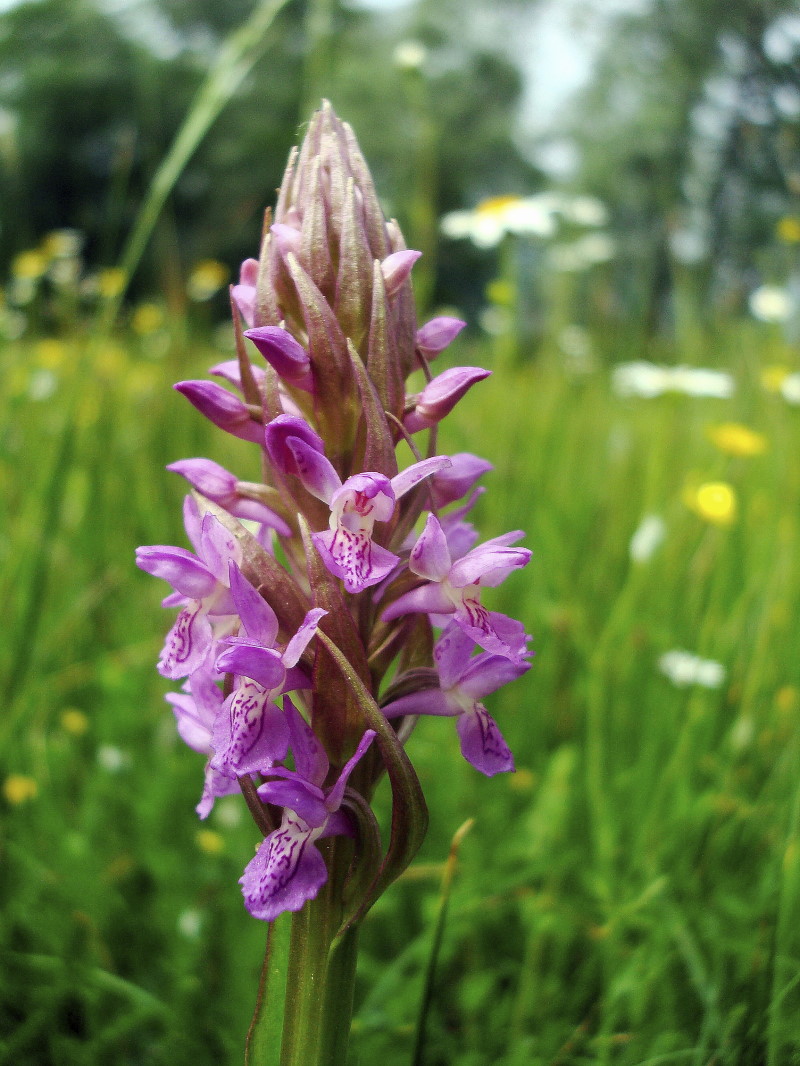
696 381
790 388
576 344
584 252
688 246
648 537
585 211
684 669
770 303
640 378
409 55
492 219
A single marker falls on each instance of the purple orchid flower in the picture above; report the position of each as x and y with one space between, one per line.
346 548
201 590
463 682
287 869
196 708
219 485
250 732
455 588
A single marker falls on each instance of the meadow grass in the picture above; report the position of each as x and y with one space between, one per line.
630 896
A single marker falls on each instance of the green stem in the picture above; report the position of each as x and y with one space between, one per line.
305 1000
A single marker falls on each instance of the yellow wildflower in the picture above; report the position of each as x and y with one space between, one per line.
51 353
207 278
62 244
773 376
111 282
210 842
30 265
788 229
19 788
147 318
74 721
714 501
732 438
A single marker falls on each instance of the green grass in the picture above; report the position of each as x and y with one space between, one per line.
630 896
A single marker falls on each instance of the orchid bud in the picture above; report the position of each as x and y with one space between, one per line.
289 358
244 294
222 408
396 269
435 335
440 396
455 481
218 484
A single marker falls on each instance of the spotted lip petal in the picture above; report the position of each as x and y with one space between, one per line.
286 872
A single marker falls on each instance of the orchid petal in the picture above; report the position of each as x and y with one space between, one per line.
482 743
262 665
299 796
487 672
430 556
334 798
184 571
217 783
186 643
300 641
250 732
354 558
309 755
426 701
258 619
428 599
286 871
412 475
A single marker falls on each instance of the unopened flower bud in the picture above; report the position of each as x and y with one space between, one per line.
244 294
435 335
286 355
222 408
440 396
396 268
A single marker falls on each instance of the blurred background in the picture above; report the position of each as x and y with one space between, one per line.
609 194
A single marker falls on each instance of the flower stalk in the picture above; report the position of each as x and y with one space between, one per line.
325 608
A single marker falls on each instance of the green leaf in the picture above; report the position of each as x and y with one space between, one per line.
409 812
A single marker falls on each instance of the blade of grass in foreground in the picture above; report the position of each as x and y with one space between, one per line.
237 57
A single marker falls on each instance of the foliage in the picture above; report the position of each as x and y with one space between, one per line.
630 893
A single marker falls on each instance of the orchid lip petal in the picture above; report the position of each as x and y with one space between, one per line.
286 872
482 743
